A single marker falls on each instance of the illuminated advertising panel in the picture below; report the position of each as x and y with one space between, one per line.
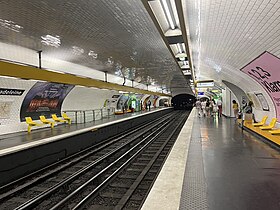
44 98
265 69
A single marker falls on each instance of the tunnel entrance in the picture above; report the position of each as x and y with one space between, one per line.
183 101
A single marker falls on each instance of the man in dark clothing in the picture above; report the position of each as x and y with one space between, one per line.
149 105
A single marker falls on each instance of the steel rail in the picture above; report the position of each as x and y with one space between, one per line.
33 202
81 203
75 158
121 204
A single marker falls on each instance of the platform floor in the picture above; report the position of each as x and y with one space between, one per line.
225 168
8 141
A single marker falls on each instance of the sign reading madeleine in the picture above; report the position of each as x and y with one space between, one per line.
265 69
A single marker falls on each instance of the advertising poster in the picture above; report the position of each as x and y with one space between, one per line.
265 70
44 98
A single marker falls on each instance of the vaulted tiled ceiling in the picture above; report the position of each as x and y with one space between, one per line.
227 34
120 32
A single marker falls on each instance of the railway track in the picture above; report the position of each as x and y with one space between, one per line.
116 174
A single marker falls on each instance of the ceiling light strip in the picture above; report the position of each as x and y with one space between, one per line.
179 48
168 14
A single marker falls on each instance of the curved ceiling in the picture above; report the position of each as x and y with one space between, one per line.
116 36
225 35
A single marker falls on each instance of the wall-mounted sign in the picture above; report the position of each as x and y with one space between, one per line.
11 92
265 70
205 84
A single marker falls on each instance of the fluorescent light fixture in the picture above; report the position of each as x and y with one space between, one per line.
50 40
10 25
77 50
179 48
167 13
186 72
92 54
110 60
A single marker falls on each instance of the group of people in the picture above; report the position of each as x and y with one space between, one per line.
246 110
208 108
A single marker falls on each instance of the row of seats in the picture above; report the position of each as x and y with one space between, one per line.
43 119
269 127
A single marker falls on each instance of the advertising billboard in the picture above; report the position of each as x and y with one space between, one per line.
265 69
44 98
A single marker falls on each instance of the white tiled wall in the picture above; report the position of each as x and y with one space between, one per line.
80 98
12 123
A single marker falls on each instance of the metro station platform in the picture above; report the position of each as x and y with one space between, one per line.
22 153
21 140
215 165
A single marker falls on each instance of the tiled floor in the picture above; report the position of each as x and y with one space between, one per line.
239 171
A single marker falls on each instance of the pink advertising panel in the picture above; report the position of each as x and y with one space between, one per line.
265 69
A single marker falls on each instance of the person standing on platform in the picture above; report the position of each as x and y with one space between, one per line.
212 106
207 108
203 107
149 105
198 107
220 108
249 110
235 108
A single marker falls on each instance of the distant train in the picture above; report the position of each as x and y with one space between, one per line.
183 102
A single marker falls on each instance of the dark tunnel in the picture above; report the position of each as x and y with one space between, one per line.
183 102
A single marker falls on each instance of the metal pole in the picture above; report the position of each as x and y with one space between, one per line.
106 76
76 116
84 116
40 58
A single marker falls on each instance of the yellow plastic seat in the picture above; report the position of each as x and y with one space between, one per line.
31 123
275 132
270 126
45 121
56 119
65 117
261 123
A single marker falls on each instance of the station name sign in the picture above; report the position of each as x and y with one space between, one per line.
265 69
11 92
205 84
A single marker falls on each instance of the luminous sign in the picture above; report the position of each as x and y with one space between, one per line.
265 70
205 84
